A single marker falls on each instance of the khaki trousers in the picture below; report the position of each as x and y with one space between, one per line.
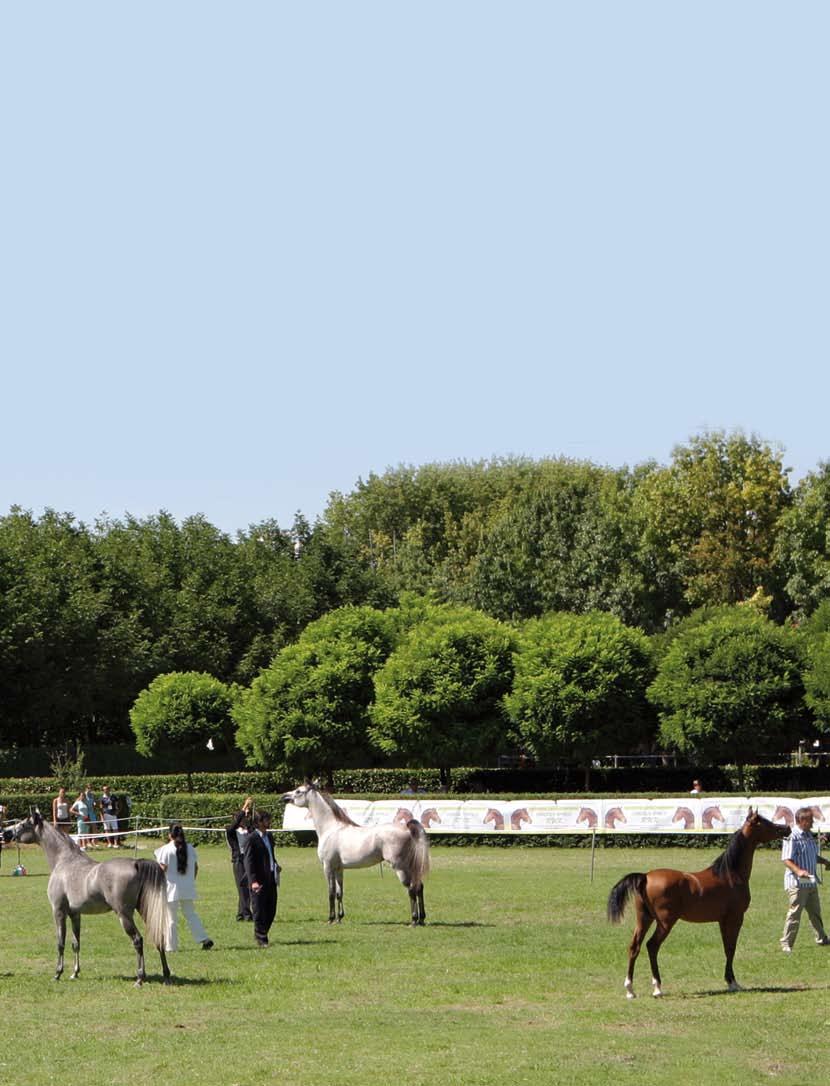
802 898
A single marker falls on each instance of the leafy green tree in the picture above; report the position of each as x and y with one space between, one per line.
579 688
709 519
183 711
802 547
308 711
730 688
438 696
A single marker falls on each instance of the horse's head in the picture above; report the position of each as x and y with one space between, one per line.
761 830
299 796
26 831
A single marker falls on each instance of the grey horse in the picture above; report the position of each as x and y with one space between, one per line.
80 885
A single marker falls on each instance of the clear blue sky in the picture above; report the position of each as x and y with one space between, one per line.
251 253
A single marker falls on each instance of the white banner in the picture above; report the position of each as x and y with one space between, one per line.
688 814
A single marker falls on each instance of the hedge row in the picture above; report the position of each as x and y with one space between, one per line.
564 780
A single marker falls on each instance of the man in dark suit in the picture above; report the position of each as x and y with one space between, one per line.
262 871
237 834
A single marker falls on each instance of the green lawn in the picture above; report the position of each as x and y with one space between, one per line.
517 978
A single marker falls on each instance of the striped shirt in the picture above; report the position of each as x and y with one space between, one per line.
802 848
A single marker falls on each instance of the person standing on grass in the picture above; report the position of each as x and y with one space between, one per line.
92 807
237 834
109 817
60 811
263 873
81 812
180 864
801 857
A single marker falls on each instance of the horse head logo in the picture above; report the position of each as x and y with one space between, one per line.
711 814
429 816
495 817
785 814
684 815
587 815
615 815
403 815
519 816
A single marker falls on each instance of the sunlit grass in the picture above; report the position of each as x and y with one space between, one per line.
517 978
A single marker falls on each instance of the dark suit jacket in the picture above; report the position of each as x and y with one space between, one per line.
257 860
233 840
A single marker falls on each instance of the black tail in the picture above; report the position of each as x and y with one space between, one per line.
635 883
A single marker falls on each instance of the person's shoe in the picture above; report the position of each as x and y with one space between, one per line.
207 944
786 949
824 940
241 917
262 946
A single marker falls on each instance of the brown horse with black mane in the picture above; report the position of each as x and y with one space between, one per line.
719 894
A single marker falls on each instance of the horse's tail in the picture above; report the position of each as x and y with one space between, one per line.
633 884
152 901
419 853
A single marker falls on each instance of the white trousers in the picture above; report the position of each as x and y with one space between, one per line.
197 928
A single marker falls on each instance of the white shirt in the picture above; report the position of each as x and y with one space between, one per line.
180 887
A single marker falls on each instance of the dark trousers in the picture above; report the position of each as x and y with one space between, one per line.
243 908
264 908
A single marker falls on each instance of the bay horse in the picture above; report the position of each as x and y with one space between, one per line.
341 843
720 893
78 884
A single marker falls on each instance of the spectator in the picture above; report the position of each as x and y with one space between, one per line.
237 834
80 810
60 811
799 852
92 805
180 863
109 817
696 789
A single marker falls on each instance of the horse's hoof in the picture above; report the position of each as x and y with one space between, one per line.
167 980
734 987
630 995
657 993
139 983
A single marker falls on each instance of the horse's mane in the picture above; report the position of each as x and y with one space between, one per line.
336 810
728 861
64 840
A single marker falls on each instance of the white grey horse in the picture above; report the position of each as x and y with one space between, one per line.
342 843
79 885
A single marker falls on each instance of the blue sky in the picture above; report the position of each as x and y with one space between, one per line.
251 253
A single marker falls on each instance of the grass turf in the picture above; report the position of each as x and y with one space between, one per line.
517 977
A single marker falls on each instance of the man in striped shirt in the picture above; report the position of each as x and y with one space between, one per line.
800 854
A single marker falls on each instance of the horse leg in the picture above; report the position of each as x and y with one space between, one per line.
653 947
338 888
422 913
76 944
60 926
128 924
730 929
413 905
644 922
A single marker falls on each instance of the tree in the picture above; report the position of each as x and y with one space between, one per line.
709 519
438 696
183 710
802 546
308 711
579 688
731 687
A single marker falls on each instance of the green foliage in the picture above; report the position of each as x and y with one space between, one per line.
309 710
579 687
183 710
802 545
817 679
730 688
709 520
438 696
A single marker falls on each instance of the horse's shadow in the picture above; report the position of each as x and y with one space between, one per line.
175 981
282 942
429 924
772 989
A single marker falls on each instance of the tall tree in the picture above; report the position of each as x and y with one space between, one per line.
730 688
710 518
438 696
802 547
579 689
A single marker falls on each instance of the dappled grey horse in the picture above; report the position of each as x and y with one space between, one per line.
342 843
80 885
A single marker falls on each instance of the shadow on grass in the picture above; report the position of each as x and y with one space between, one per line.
155 980
279 943
774 989
429 924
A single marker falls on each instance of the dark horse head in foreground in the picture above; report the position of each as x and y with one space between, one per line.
719 893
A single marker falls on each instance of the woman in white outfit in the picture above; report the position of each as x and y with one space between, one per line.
179 862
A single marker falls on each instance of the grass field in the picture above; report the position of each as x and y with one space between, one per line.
517 978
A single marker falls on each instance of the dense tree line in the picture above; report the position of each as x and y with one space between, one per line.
91 615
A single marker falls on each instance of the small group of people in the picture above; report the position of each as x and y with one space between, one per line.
94 817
